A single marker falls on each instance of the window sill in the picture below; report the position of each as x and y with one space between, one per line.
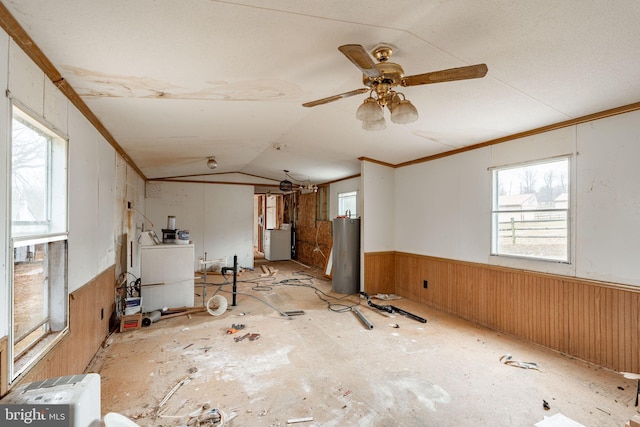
37 352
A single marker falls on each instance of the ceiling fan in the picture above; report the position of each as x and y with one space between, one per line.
383 77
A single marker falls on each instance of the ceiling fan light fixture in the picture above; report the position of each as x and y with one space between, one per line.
285 185
212 163
404 112
373 125
369 110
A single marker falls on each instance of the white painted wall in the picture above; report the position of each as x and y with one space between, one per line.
377 207
83 195
343 186
608 199
442 207
219 217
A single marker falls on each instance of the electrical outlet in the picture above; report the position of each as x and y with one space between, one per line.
425 284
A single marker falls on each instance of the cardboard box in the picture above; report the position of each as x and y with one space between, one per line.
130 322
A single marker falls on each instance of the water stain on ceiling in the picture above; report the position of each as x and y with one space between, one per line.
93 84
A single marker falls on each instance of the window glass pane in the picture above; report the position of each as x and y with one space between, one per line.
38 235
347 204
38 178
531 210
39 293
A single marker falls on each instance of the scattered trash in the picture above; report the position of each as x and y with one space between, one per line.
254 337
204 416
387 297
632 376
235 328
238 339
394 325
545 405
558 420
299 420
602 410
172 391
268 271
294 313
507 360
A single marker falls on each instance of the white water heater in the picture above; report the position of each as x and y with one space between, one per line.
80 392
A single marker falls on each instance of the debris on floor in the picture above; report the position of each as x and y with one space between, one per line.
235 328
632 376
299 420
294 313
507 360
204 416
392 309
558 420
268 271
240 338
171 392
387 297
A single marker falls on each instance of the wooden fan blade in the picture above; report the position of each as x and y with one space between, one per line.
335 97
360 58
450 75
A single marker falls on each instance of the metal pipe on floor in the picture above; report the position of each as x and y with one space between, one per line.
364 320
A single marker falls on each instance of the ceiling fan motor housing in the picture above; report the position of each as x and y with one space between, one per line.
390 73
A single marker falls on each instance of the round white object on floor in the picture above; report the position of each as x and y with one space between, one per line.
217 305
113 419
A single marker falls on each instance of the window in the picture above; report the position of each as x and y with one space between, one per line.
38 238
530 215
348 204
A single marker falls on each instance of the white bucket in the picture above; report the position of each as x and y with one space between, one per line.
113 419
217 305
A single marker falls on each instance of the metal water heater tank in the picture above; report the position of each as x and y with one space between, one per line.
345 271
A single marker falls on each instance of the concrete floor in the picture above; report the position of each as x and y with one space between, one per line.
326 366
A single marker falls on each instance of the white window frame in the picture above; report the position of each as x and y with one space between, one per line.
496 212
51 230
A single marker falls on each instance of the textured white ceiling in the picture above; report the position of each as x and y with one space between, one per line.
178 81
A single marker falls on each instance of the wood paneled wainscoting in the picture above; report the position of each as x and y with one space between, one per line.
594 321
90 308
